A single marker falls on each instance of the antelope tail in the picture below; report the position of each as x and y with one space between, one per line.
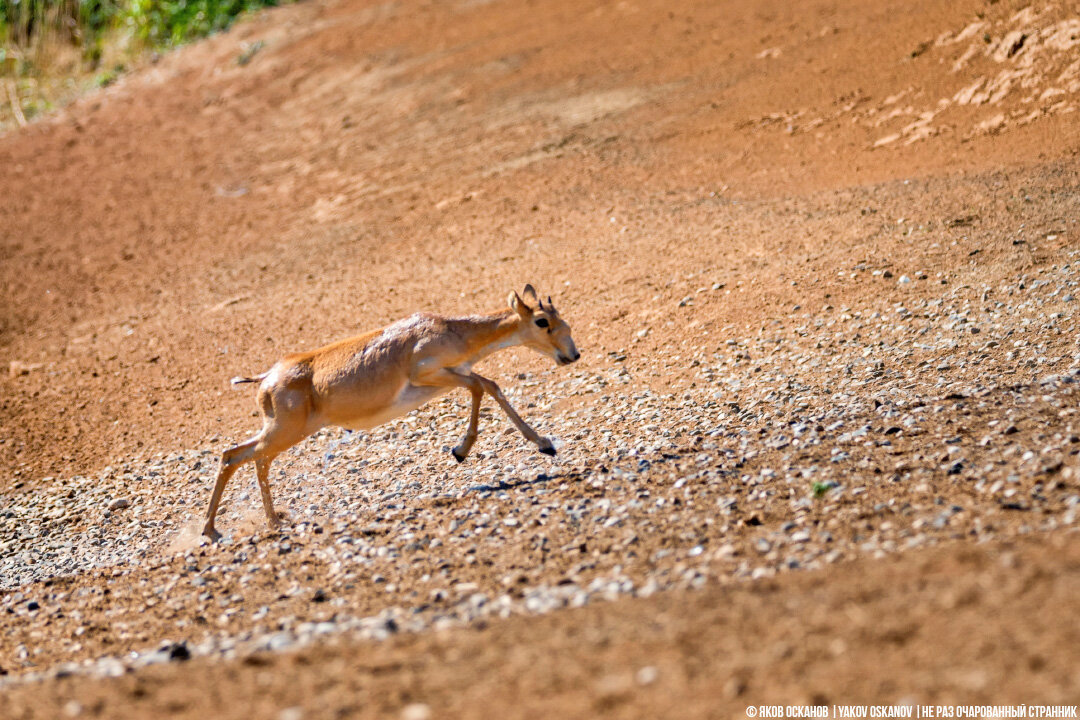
241 380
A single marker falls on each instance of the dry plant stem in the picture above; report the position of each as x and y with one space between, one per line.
16 108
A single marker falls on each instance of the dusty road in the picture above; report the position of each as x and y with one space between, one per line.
820 261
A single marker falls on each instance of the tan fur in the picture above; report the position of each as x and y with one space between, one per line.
367 380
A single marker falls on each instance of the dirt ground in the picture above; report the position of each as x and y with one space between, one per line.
820 261
916 629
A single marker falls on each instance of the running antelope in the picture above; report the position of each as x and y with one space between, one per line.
371 379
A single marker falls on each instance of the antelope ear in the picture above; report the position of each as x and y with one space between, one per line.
530 296
518 305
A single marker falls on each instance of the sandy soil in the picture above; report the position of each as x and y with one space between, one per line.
896 632
820 261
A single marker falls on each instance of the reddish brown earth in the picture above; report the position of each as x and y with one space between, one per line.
913 629
677 176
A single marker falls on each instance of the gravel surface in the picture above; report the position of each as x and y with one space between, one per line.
834 433
799 639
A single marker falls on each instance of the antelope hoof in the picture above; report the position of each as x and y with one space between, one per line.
211 533
460 457
546 447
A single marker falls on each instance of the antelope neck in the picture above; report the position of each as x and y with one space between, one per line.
487 334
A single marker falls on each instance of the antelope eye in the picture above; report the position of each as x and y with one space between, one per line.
542 322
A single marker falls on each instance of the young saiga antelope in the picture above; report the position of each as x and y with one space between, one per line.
368 380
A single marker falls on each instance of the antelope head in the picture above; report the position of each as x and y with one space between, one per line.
542 329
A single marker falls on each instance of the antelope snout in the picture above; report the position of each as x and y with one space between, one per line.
566 360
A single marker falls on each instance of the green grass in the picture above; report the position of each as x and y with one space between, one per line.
161 23
89 23
47 46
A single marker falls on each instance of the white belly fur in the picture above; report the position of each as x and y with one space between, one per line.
410 398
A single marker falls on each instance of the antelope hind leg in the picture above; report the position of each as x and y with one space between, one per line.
231 460
262 472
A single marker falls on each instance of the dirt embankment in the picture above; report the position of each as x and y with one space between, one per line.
202 217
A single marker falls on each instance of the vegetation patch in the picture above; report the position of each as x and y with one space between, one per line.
51 50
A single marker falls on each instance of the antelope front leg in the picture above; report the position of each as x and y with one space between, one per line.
542 443
446 377
462 450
